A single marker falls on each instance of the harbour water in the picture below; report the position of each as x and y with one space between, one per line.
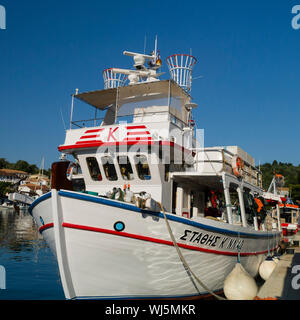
31 271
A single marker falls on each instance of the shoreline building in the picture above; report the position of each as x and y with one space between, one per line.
12 176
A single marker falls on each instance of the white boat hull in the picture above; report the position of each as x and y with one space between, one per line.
97 259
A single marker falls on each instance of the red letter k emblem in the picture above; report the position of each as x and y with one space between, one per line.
111 134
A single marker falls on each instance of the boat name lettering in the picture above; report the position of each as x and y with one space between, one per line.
223 242
212 240
235 244
198 237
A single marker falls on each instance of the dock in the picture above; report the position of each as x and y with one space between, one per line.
279 285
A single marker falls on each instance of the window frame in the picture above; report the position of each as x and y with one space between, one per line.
89 169
110 163
132 177
136 163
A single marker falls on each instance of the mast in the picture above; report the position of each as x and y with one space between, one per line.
72 108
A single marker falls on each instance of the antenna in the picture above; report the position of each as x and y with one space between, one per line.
145 42
72 108
199 77
43 165
62 118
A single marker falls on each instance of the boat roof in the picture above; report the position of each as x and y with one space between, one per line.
100 99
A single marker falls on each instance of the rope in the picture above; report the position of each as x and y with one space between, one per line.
239 249
269 254
185 264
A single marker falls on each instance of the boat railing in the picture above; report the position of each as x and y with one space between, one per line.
217 160
137 115
82 123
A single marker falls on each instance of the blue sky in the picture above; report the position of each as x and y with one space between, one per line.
247 51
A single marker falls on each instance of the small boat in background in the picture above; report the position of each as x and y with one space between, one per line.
284 210
7 205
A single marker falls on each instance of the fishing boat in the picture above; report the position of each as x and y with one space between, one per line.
142 203
7 205
289 213
285 211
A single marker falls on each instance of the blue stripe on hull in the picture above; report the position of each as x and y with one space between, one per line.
126 206
38 200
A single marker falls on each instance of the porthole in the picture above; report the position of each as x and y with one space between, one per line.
119 226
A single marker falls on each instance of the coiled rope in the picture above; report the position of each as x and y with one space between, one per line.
185 264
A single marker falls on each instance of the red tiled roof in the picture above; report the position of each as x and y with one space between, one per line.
33 186
5 172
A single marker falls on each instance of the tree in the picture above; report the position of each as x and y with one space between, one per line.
291 174
22 165
33 169
3 163
5 187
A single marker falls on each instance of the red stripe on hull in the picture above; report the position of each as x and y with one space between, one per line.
155 240
45 227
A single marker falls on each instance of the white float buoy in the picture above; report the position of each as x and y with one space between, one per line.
275 259
266 268
239 285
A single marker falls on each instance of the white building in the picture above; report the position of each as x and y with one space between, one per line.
33 189
12 176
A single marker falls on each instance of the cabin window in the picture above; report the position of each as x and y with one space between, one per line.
94 169
125 167
235 206
109 168
79 171
78 185
142 167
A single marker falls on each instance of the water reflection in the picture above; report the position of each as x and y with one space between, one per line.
31 269
19 234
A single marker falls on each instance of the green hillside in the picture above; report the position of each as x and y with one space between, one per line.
22 165
290 172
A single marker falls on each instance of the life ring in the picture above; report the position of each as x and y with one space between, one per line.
237 166
70 171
